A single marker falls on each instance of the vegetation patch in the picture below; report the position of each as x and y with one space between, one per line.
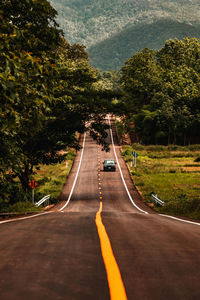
176 180
51 178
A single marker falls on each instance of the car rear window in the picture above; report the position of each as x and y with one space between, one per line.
110 162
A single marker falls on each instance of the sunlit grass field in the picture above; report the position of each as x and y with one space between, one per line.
171 172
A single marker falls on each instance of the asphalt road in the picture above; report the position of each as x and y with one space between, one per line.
59 256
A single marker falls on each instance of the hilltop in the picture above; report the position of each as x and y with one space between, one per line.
91 22
111 53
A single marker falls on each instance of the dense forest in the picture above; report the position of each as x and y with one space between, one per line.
162 93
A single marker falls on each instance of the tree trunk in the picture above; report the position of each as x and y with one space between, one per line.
24 177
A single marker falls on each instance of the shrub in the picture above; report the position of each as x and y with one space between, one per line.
195 147
156 148
70 155
197 159
174 147
183 206
21 207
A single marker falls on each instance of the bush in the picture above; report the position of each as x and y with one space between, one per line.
155 148
21 207
197 159
174 147
70 155
195 147
183 206
11 193
138 147
172 171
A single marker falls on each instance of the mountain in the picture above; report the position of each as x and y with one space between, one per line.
90 22
111 53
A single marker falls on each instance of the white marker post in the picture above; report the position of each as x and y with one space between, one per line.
135 155
33 200
135 158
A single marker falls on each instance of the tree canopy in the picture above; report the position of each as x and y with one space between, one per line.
46 94
162 92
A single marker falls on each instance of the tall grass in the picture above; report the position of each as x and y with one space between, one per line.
51 178
171 172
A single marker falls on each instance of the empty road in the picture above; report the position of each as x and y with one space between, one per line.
100 242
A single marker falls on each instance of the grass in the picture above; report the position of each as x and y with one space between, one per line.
172 172
21 207
51 178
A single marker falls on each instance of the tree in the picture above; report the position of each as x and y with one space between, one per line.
35 20
46 90
162 90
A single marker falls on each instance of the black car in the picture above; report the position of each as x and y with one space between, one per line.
109 165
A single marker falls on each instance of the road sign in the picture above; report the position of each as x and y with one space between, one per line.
33 184
134 154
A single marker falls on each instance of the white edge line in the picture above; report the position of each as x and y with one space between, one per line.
181 220
24 218
131 199
167 216
76 176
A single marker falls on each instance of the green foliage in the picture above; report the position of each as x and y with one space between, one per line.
183 207
21 207
51 178
162 93
46 93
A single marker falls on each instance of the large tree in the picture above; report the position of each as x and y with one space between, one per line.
162 91
46 91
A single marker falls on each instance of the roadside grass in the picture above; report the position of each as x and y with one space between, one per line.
172 172
21 207
51 178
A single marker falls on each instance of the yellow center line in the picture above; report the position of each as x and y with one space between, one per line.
116 286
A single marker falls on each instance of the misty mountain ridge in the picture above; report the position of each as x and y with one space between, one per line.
111 53
91 22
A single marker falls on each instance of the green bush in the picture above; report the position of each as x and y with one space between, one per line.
11 193
156 148
138 147
197 159
195 147
174 147
127 152
70 155
183 207
21 207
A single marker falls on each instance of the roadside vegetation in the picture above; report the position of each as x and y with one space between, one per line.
161 96
51 178
49 92
47 95
161 92
171 172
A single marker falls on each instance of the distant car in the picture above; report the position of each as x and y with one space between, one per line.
109 165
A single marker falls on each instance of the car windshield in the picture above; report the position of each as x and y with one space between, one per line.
110 162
